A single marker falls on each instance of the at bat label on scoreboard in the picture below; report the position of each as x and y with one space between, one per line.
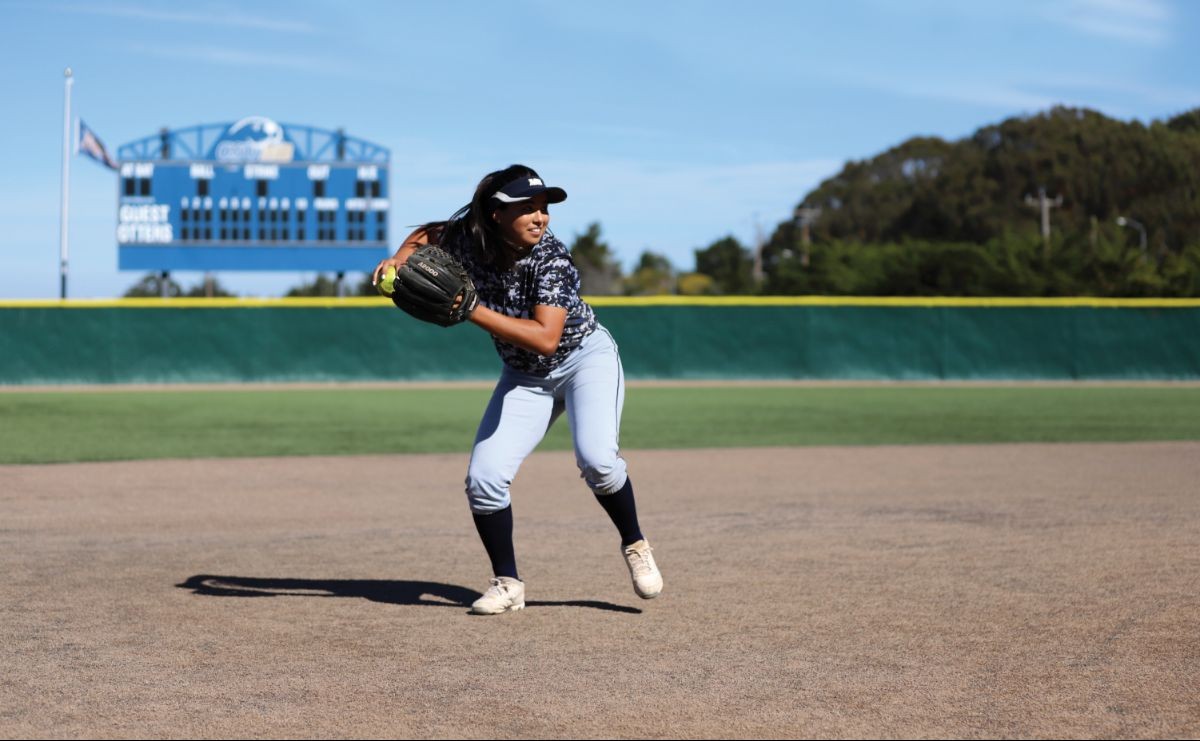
262 196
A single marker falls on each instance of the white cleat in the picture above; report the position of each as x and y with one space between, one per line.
504 595
647 581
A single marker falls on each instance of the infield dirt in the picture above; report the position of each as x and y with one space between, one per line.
911 591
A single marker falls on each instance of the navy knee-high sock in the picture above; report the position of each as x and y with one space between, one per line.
496 531
623 512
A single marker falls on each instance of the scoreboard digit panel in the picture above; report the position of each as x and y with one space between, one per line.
252 215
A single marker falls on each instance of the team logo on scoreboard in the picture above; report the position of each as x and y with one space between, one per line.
254 139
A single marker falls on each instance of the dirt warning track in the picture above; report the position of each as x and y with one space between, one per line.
991 590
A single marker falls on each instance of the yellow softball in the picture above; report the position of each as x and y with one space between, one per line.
386 284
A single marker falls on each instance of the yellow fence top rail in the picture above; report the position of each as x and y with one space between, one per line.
358 302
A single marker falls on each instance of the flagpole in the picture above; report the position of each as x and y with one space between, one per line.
66 185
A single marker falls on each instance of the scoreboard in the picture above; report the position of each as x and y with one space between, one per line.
252 195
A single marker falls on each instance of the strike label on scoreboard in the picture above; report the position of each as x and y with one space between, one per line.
252 195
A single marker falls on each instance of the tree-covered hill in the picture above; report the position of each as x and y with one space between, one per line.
975 189
931 216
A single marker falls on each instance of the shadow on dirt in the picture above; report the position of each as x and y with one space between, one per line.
389 591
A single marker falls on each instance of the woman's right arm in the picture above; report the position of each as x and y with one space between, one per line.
421 235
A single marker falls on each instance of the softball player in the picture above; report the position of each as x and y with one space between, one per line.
556 358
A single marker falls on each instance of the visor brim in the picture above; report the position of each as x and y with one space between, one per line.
553 195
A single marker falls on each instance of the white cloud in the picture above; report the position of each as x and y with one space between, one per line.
999 95
1155 93
1145 22
220 55
983 94
228 17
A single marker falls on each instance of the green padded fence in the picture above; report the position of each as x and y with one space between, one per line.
181 340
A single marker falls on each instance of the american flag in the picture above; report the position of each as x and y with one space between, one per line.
91 145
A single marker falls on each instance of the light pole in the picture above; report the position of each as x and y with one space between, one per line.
757 269
1123 221
1044 203
805 217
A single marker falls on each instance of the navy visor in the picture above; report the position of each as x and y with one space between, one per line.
522 189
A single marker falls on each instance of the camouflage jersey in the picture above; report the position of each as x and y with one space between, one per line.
546 275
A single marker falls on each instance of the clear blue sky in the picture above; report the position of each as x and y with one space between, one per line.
671 123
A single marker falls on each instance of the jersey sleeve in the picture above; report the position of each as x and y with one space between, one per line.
557 282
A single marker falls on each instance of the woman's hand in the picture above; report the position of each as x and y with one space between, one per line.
395 261
407 247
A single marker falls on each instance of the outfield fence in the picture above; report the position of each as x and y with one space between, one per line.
807 337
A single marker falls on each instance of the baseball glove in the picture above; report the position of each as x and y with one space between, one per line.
434 287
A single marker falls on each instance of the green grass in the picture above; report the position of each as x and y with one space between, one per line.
44 427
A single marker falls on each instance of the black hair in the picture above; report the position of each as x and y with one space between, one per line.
474 221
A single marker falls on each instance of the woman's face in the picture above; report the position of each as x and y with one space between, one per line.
524 223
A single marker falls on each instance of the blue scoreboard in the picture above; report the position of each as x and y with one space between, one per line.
252 195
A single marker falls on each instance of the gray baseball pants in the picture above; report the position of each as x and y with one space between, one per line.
589 386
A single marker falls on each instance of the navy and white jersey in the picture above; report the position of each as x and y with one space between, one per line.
545 275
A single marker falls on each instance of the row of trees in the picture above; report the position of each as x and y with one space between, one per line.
963 218
1101 263
154 285
723 267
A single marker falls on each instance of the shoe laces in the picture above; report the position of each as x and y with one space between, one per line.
639 560
500 588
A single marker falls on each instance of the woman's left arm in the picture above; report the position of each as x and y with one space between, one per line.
540 334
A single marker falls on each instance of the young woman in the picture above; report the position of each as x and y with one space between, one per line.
556 358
